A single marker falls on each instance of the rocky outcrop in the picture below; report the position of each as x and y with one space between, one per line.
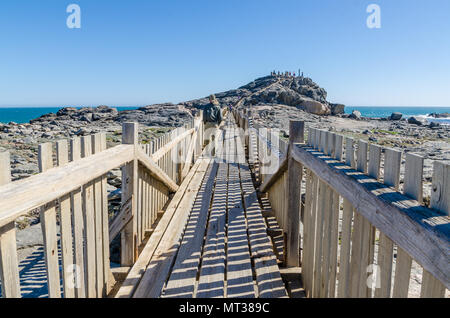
439 115
356 114
337 109
396 116
299 92
165 115
417 121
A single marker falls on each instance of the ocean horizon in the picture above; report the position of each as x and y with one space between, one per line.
23 115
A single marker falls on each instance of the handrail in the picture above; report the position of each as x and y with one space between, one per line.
17 198
415 228
161 152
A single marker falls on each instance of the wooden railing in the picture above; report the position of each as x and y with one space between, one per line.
74 195
352 230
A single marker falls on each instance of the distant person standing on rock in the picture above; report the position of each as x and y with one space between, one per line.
212 117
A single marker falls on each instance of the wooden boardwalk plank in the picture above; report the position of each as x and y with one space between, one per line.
239 266
268 278
212 272
184 273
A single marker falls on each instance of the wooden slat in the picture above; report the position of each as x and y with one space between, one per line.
326 241
89 222
344 263
62 152
49 231
9 265
320 219
78 226
440 200
184 272
295 173
96 141
212 272
432 287
268 278
128 251
349 152
108 277
238 265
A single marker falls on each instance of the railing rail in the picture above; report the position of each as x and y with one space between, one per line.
74 195
353 218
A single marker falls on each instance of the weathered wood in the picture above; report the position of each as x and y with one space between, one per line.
158 269
413 227
295 171
269 182
318 240
48 224
78 226
349 152
432 287
156 171
62 154
373 169
268 279
19 197
109 280
238 265
98 217
129 192
402 274
89 222
385 259
212 272
392 163
440 198
344 263
183 276
168 146
136 272
9 265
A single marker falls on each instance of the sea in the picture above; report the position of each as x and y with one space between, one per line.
22 115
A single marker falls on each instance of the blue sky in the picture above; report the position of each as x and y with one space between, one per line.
139 52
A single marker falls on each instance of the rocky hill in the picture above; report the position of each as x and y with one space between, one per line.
299 92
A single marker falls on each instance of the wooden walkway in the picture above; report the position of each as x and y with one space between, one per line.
212 240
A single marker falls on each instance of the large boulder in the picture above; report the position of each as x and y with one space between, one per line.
66 111
417 121
356 114
396 116
337 109
315 107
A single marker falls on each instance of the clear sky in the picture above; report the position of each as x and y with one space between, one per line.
138 52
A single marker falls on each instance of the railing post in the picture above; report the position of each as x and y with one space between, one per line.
295 170
9 265
128 252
